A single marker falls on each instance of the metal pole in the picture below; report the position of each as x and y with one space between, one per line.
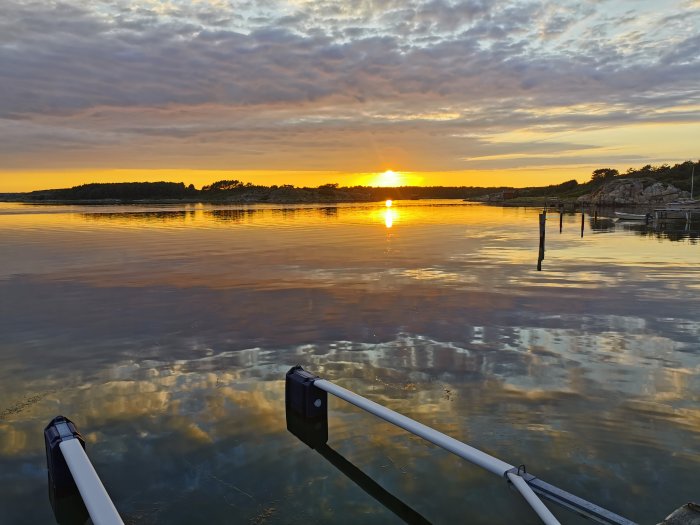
95 497
485 461
542 511
304 391
71 475
490 463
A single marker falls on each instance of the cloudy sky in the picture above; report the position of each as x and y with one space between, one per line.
308 92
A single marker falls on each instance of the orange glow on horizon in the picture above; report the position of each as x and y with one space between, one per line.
21 181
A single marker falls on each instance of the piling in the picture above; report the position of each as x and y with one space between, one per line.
543 221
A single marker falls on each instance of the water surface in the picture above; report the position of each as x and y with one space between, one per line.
165 332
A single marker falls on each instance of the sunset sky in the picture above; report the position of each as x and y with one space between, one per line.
442 92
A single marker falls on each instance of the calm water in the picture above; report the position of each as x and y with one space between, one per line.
165 333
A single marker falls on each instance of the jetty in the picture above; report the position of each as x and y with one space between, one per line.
670 213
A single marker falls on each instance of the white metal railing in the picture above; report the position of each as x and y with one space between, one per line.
471 454
306 395
70 468
98 503
482 459
536 503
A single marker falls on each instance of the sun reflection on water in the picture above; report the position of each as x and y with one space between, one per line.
390 216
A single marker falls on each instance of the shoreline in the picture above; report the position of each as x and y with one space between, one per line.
561 205
118 202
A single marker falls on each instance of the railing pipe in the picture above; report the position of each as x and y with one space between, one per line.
71 475
98 503
306 395
490 463
542 511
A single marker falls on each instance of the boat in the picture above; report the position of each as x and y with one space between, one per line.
624 216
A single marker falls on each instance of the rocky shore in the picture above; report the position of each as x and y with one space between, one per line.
633 192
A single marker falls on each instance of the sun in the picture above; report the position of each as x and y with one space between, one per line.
388 179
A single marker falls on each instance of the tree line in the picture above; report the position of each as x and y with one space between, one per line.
232 190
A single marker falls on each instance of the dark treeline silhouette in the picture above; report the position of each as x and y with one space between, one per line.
238 191
225 185
123 191
332 192
678 175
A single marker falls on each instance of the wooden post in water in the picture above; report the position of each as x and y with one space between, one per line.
583 219
561 219
543 219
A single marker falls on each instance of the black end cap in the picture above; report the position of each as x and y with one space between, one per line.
302 396
61 482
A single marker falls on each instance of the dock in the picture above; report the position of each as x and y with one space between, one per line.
666 214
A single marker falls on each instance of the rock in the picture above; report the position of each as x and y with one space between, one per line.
633 192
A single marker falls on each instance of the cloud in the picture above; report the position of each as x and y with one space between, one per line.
254 77
63 58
